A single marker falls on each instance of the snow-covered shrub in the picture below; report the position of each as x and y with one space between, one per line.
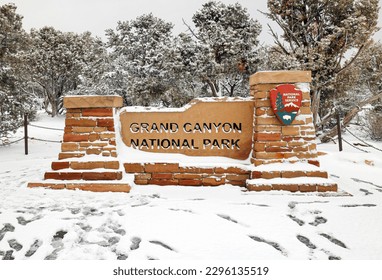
374 124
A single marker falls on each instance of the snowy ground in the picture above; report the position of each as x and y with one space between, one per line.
195 223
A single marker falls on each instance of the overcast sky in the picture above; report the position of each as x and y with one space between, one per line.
98 15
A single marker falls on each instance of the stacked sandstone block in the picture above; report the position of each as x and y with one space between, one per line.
304 180
275 142
88 152
308 179
173 174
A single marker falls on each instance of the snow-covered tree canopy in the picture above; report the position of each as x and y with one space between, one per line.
14 101
227 38
56 61
146 62
318 33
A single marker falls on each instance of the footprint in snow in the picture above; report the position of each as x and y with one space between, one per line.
8 255
59 235
297 220
122 257
58 209
34 247
113 240
57 244
117 229
15 245
143 203
318 221
306 242
330 255
334 240
160 243
271 243
358 205
89 211
120 231
252 204
75 211
183 210
84 227
228 218
292 204
22 221
366 192
121 213
7 227
135 241
366 182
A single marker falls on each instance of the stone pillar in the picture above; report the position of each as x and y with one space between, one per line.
89 126
273 141
88 153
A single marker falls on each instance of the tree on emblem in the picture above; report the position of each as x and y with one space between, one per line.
279 102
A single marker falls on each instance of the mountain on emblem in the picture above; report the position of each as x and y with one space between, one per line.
286 101
291 104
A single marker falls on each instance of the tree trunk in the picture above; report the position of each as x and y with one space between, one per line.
348 117
52 101
212 87
316 106
54 108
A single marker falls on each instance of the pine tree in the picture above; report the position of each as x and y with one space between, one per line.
147 63
226 39
57 60
15 100
279 102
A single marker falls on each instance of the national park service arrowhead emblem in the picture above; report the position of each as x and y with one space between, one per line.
286 102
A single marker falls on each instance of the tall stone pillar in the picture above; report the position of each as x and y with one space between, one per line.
273 141
87 160
286 138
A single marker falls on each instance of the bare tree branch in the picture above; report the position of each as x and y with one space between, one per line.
190 29
355 57
277 41
349 116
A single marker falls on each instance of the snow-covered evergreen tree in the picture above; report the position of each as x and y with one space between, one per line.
273 58
146 64
14 98
57 61
368 66
360 81
226 39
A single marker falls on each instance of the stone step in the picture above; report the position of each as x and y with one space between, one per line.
96 151
66 155
84 165
87 176
288 174
94 187
302 184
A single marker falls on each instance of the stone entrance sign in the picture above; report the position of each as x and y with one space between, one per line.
211 127
270 136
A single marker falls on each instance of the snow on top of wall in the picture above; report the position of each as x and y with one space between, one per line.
185 107
293 181
287 166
